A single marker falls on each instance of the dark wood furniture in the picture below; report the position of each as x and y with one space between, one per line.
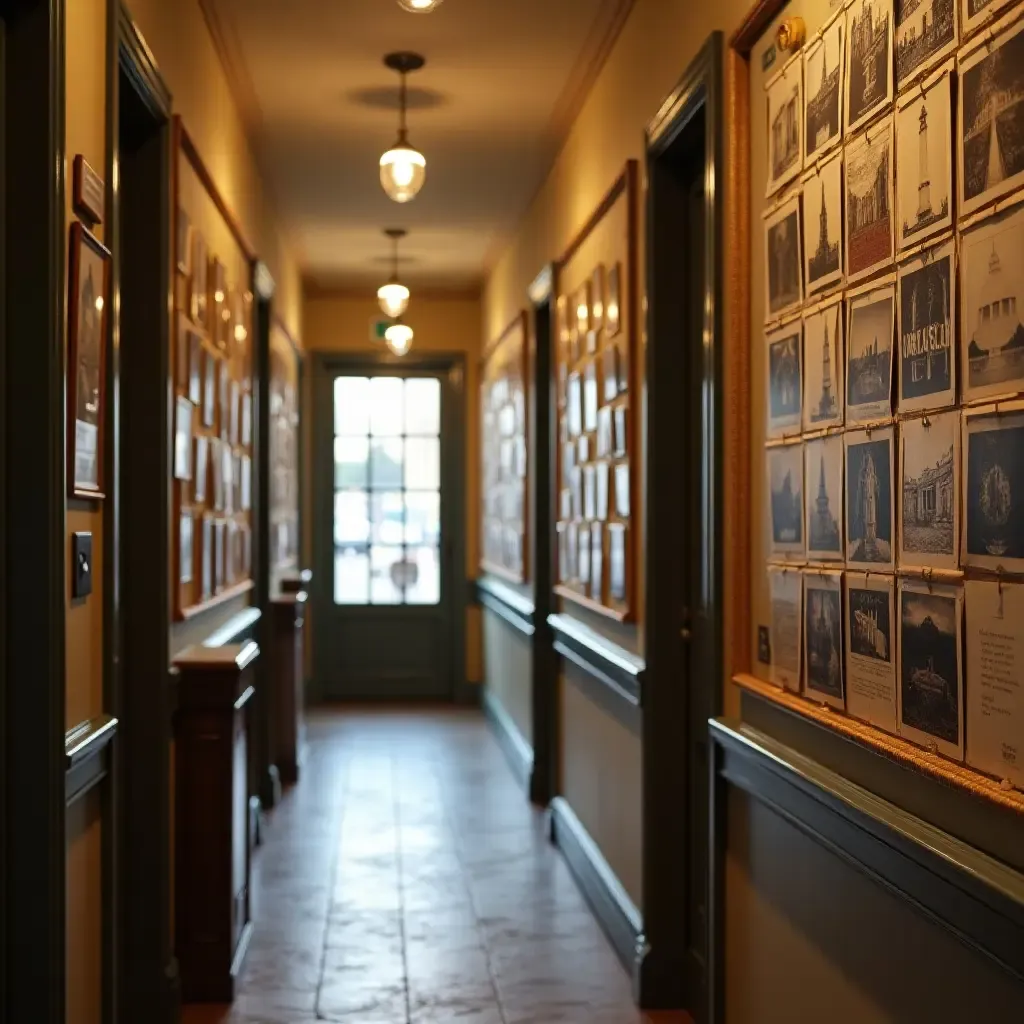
212 848
286 678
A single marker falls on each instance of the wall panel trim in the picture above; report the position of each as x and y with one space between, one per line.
517 751
506 603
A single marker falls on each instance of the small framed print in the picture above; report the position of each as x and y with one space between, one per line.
613 302
869 60
201 470
217 467
597 562
565 503
824 498
210 362
620 428
88 287
246 425
622 357
583 449
183 242
200 277
870 239
195 369
610 358
218 556
583 309
786 589
823 637
583 564
88 191
183 413
786 488
574 412
617 538
621 490
824 59
823 225
576 485
590 392
245 483
925 34
784 379
186 554
871 649
823 367
604 432
871 313
572 551
227 474
602 473
870 499
784 104
597 298
589 492
929 462
206 558
783 260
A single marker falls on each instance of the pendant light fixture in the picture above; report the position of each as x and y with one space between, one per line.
393 296
419 6
403 167
399 337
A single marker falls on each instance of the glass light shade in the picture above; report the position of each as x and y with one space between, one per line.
399 338
402 172
393 298
419 6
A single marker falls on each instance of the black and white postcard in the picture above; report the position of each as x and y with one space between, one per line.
993 535
597 561
926 309
869 201
823 225
871 316
930 491
991 118
975 13
823 88
823 637
995 668
869 61
784 100
784 379
871 649
823 476
786 489
931 707
870 507
617 535
991 280
924 159
783 266
786 590
925 34
824 365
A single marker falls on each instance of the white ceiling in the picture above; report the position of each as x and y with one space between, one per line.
502 82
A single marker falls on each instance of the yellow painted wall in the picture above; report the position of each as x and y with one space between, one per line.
341 323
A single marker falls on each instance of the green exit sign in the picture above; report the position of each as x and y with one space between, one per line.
378 327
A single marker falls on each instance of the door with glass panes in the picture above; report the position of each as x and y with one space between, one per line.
386 472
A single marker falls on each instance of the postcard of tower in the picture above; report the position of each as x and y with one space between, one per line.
990 118
926 329
871 649
786 487
784 379
870 511
823 223
975 13
786 588
824 59
995 667
823 637
869 202
924 160
784 102
824 365
926 32
869 62
930 492
991 282
931 705
993 534
823 476
871 317
783 266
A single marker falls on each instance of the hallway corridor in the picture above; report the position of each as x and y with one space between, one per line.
407 880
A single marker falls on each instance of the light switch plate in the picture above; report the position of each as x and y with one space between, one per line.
81 565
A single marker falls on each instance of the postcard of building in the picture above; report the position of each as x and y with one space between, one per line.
823 225
785 388
823 637
869 61
824 366
783 262
869 201
871 320
926 33
824 59
786 511
785 587
823 476
929 533
995 668
931 692
784 103
871 649
870 505
976 13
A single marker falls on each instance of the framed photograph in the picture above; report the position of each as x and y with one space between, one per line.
228 475
200 276
597 562
195 369
589 492
604 432
786 488
572 549
869 202
823 471
246 425
613 302
201 469
583 564
976 13
871 649
930 491
618 534
583 309
993 535
183 242
217 468
823 225
597 286
926 33
88 288
870 500
931 710
576 487
824 363
926 307
210 362
924 159
206 556
620 437
823 637
869 61
186 554
574 402
183 413
824 57
590 393
245 482
583 449
88 191
869 352
610 358
621 490
784 379
786 589
784 104
783 263
991 279
602 474
991 117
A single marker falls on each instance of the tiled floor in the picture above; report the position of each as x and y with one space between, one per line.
406 880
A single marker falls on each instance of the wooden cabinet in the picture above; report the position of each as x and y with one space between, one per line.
286 680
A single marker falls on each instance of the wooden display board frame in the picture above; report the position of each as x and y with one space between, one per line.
574 353
214 318
492 372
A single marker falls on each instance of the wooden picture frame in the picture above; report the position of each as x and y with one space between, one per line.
88 197
88 302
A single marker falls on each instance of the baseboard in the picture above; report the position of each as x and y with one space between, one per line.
510 739
610 902
468 694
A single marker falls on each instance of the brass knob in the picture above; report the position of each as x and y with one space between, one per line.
791 34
